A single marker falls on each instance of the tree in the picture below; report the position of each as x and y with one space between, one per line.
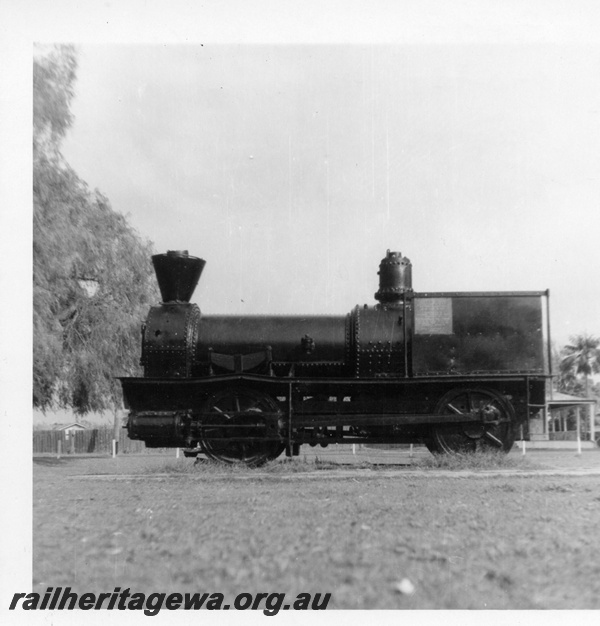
82 337
581 357
54 72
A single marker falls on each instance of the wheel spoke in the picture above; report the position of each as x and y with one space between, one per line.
493 439
473 436
222 412
469 402
231 445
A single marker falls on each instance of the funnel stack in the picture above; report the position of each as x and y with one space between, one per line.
177 274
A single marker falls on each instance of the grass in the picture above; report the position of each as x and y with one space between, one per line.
463 542
208 467
484 460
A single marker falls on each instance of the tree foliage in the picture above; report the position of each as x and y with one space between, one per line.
54 72
82 338
579 358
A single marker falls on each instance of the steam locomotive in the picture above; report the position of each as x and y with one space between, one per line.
457 371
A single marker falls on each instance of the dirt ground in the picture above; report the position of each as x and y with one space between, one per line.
516 538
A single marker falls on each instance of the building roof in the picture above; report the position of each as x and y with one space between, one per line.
557 398
73 425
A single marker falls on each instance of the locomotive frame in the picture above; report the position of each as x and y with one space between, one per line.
457 371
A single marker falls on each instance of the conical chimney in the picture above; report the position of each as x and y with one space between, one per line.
177 274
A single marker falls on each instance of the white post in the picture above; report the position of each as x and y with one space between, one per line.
578 431
411 451
177 453
58 448
114 448
523 449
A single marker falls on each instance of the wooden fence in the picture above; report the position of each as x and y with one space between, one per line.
91 441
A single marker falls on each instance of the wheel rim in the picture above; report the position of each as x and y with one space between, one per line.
497 433
240 412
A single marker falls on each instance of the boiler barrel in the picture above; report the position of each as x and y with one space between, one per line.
291 338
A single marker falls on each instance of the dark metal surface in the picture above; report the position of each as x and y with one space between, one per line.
177 274
377 344
293 339
495 431
240 425
486 294
395 278
373 397
455 370
478 334
169 340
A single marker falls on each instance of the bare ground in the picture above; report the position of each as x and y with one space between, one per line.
496 538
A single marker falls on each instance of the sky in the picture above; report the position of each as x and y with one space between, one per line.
292 168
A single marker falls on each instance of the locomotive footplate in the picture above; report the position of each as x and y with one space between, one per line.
255 417
182 426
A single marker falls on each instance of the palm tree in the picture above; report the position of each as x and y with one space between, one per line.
581 357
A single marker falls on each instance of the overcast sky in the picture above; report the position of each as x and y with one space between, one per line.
293 168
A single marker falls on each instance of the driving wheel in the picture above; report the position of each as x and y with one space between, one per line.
494 432
237 424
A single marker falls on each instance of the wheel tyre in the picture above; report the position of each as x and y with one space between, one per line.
473 437
432 447
247 405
